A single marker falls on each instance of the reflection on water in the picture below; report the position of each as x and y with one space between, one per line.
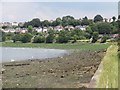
18 54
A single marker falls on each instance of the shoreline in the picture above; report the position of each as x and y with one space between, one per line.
70 71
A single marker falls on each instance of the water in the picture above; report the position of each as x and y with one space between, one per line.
18 54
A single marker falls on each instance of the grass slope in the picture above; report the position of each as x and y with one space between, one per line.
77 46
109 75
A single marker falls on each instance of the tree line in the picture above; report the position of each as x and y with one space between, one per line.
94 29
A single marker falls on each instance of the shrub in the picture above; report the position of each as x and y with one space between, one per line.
26 38
104 38
95 37
39 39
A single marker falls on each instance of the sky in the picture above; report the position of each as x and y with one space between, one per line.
25 11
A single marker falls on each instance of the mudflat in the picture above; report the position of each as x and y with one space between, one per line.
70 71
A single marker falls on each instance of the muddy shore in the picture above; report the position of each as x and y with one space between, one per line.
69 71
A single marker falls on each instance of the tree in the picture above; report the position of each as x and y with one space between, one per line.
63 37
3 36
34 23
26 38
95 37
104 38
16 37
45 23
68 20
114 18
85 21
30 29
104 28
50 37
4 27
39 39
98 18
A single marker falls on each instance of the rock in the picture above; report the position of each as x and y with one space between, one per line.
27 74
62 76
3 71
17 74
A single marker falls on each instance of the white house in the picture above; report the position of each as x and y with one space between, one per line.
14 24
58 28
38 29
45 29
69 27
83 28
12 30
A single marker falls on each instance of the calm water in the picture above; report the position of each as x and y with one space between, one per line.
19 54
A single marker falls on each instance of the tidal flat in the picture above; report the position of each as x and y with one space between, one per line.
69 71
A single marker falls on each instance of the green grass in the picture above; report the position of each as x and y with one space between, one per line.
78 46
109 74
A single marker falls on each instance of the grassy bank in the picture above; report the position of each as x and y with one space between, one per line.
81 46
109 74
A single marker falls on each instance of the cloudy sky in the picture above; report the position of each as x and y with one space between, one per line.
24 11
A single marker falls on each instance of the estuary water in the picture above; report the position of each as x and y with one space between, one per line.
9 54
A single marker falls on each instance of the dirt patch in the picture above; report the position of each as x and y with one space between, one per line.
70 71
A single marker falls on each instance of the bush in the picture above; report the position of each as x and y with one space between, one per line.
39 39
16 37
95 37
104 38
50 39
63 37
26 38
2 36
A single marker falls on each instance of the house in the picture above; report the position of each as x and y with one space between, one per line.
12 30
5 30
6 24
38 29
21 30
50 28
21 24
59 28
45 29
83 28
69 27
14 24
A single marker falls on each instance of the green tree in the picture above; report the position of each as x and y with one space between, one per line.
4 27
45 23
95 37
16 37
104 38
39 39
26 38
104 28
98 18
114 18
2 36
30 29
68 20
50 37
34 23
85 21
63 37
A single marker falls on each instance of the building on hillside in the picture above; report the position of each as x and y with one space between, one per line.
12 30
70 27
83 28
38 29
14 24
6 24
59 28
21 24
45 29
